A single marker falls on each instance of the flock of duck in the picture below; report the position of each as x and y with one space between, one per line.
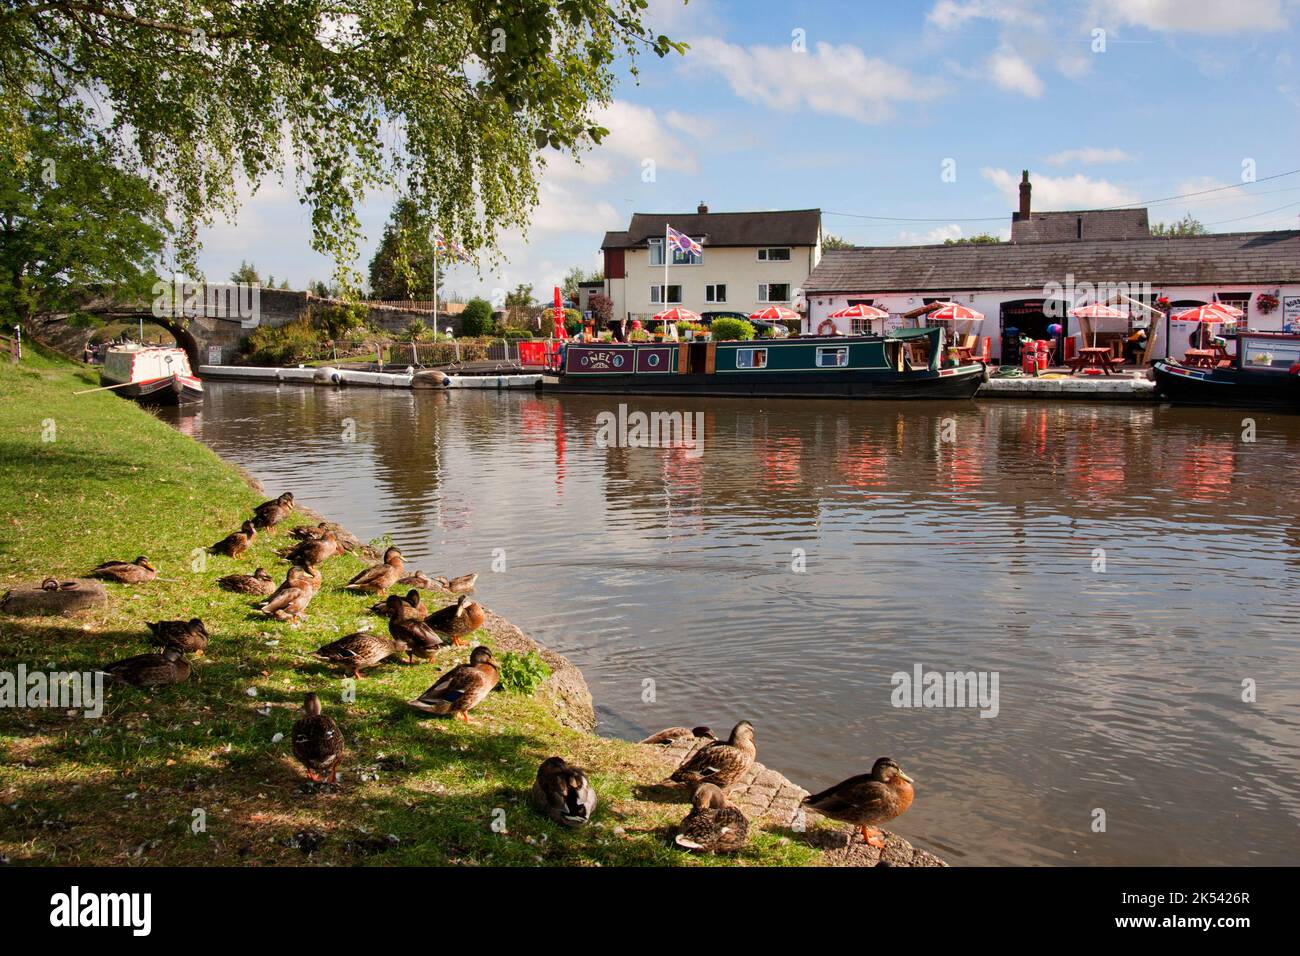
560 790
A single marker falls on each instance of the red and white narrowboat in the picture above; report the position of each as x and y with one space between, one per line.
150 375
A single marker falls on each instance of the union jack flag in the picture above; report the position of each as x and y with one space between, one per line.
450 247
683 243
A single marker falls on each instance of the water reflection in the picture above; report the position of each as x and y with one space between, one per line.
960 537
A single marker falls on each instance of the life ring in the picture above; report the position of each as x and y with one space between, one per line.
827 327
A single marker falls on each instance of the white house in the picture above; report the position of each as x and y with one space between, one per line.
1057 260
749 259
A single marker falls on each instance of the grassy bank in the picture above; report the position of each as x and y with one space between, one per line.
124 789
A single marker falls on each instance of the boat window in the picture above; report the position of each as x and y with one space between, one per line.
751 358
832 357
1261 353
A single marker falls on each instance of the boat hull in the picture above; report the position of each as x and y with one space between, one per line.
1232 387
961 383
176 390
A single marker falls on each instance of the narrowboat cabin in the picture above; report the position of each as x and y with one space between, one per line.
151 376
1265 373
904 364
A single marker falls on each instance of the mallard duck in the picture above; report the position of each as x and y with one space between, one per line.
720 763
151 670
461 585
714 825
420 639
307 532
233 545
292 597
417 580
361 650
188 637
563 792
126 572
380 577
459 690
270 513
674 734
316 550
457 621
867 799
318 742
259 582
415 607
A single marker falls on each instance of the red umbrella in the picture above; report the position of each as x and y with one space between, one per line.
952 312
1213 314
1098 310
775 313
859 312
559 314
1231 311
676 314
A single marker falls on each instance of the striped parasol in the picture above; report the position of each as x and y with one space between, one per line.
676 314
859 312
774 313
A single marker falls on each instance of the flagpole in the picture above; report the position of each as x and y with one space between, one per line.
435 287
667 259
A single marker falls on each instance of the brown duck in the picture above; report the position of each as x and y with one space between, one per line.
318 742
418 580
233 545
714 824
151 670
361 650
270 513
307 532
461 585
457 621
420 639
564 793
462 688
316 550
188 637
867 799
379 578
292 597
673 734
126 572
259 582
298 577
415 607
721 763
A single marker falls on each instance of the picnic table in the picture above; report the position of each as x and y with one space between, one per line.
1201 358
1095 357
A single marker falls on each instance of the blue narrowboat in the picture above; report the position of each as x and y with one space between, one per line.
902 364
1265 373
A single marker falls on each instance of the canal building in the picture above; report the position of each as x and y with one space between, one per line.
747 260
1057 260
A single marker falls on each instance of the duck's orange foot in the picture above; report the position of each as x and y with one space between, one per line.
873 837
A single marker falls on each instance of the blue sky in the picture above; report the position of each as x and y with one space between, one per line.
863 118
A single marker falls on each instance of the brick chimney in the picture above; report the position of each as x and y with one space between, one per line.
701 208
1024 195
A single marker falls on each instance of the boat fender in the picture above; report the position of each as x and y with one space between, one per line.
430 378
827 327
326 375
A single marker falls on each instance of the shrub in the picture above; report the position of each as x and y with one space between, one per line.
518 333
638 335
724 330
523 673
477 320
289 344
417 331
338 320
572 321
602 308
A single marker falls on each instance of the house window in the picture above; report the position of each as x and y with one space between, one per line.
861 326
1239 299
751 358
679 258
657 295
774 254
715 293
832 357
774 292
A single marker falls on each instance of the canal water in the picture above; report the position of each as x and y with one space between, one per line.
1129 575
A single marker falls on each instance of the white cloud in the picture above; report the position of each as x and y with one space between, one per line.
836 80
934 237
954 14
1215 17
1012 72
1088 155
636 133
1066 192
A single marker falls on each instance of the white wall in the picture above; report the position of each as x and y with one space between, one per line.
990 303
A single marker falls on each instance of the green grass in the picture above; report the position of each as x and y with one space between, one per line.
123 789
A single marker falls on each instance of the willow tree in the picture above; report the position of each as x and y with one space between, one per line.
448 102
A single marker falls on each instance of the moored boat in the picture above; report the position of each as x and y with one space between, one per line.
904 364
151 375
1265 373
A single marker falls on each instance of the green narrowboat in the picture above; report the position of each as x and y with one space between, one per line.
903 364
